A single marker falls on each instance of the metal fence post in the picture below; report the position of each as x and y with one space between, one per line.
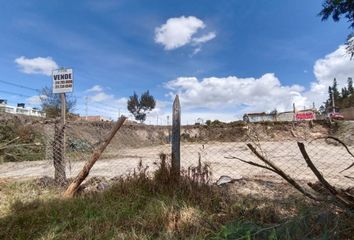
176 136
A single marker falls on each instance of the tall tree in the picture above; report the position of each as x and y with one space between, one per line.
350 86
336 93
140 107
51 103
338 9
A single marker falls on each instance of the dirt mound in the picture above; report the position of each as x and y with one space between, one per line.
344 130
277 131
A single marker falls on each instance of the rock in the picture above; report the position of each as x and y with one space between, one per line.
226 179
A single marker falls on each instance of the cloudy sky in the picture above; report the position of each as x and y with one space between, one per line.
223 58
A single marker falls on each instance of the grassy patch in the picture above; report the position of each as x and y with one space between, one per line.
139 207
19 142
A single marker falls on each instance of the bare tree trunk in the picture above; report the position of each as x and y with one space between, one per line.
74 186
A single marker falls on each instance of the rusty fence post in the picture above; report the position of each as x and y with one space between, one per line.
176 137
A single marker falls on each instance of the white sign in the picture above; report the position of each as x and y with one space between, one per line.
63 80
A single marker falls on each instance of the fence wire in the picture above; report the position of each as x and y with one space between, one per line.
220 147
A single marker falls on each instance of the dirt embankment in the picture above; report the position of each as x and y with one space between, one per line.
344 130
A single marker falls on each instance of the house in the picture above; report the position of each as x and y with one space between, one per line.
288 116
20 109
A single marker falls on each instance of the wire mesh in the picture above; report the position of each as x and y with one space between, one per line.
220 147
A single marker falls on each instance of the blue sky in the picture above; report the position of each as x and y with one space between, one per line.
223 57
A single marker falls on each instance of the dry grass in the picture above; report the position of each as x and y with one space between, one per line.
142 207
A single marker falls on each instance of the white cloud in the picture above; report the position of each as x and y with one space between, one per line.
205 38
262 94
35 100
101 97
220 95
103 104
96 88
178 32
38 65
334 65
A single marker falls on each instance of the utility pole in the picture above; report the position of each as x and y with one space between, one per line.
333 105
157 120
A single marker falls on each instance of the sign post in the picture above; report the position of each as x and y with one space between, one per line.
62 83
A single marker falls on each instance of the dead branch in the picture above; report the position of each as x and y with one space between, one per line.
343 144
272 167
323 189
74 186
340 196
251 163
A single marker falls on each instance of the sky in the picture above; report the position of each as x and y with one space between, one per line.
223 58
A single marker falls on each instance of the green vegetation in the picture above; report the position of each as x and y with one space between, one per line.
139 207
140 107
20 142
338 9
342 99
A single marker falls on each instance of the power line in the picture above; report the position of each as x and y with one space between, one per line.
19 85
12 93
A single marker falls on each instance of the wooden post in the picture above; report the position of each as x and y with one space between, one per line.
74 186
63 107
176 137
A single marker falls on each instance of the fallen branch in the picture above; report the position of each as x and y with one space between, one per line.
8 143
344 145
323 189
74 186
341 197
272 167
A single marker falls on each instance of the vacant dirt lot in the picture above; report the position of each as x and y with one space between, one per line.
328 157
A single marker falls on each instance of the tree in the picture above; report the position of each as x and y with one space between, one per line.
350 86
51 103
338 9
140 107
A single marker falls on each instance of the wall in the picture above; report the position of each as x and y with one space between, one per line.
285 117
261 118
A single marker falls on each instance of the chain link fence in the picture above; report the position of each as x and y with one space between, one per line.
222 148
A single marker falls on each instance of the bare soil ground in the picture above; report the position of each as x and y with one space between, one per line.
330 159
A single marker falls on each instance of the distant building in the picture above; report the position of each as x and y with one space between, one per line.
259 117
285 116
20 109
289 116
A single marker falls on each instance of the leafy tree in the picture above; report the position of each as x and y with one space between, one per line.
338 9
51 103
140 107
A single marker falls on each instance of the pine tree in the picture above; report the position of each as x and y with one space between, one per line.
350 86
335 91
